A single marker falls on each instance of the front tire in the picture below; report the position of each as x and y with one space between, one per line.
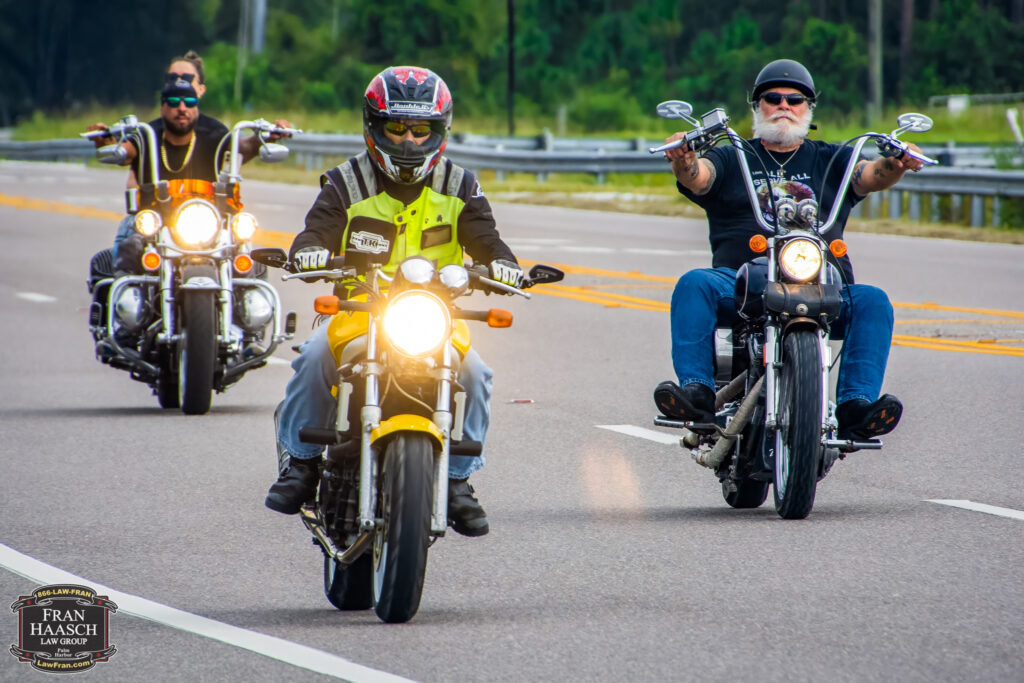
197 352
401 541
798 447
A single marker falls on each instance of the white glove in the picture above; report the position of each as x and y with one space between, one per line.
312 258
506 272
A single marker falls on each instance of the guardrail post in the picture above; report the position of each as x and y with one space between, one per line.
499 174
874 205
956 207
601 176
548 145
977 210
914 206
895 204
933 208
996 210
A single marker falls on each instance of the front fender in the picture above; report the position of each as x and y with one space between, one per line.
199 278
407 423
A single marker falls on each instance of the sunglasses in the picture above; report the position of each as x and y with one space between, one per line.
173 102
171 76
418 130
792 99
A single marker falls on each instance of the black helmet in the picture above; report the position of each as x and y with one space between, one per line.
403 93
784 72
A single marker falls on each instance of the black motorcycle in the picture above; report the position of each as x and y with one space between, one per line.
775 422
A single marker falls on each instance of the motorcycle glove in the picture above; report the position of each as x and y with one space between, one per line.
507 272
312 258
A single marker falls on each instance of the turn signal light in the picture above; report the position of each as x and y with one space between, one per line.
838 248
758 244
499 318
243 263
327 305
151 260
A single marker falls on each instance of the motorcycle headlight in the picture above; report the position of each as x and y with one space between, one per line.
196 224
244 225
800 260
416 323
147 222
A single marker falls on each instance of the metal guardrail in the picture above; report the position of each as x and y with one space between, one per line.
960 177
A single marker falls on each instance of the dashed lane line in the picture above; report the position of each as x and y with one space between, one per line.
981 507
640 432
282 650
36 297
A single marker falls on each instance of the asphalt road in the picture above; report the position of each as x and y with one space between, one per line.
611 557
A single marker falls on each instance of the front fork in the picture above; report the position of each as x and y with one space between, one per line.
772 365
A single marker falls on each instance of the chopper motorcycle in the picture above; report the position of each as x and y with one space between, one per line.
196 321
383 494
775 423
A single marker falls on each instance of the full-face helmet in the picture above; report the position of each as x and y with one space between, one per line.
406 93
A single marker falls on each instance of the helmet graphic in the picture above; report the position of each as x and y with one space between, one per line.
406 93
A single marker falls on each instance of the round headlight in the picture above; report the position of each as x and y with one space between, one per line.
196 224
244 225
416 323
147 222
800 260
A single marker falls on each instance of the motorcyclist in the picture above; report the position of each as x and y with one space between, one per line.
369 203
188 144
783 103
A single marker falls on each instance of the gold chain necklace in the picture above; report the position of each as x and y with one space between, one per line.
188 154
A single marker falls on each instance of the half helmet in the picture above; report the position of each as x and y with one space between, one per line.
786 73
405 93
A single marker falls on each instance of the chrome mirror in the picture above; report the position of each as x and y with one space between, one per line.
914 123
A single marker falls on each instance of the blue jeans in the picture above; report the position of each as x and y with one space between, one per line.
125 228
704 299
308 402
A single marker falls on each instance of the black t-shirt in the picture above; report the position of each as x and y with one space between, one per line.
730 221
201 165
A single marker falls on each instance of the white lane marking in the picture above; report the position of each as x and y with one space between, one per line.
274 360
981 507
649 434
276 648
668 252
36 297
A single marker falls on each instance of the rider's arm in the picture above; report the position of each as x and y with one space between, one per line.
109 140
476 230
883 172
695 174
325 222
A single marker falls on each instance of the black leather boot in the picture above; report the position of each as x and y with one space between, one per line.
296 485
465 513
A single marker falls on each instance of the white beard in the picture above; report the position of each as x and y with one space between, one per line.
780 129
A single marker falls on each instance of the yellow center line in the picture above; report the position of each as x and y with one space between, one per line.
284 239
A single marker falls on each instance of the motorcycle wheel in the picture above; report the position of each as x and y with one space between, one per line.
167 383
351 588
748 494
197 351
798 445
401 541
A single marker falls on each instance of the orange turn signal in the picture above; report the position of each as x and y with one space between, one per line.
838 248
151 260
243 263
499 318
327 305
758 244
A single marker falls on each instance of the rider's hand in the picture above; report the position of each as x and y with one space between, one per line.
909 163
506 272
682 153
280 123
100 142
312 258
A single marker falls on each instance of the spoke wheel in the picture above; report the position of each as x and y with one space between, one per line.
403 535
197 352
798 447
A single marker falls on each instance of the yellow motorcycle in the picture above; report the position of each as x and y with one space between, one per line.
383 494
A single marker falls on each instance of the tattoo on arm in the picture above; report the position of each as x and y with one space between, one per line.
884 169
711 180
857 173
